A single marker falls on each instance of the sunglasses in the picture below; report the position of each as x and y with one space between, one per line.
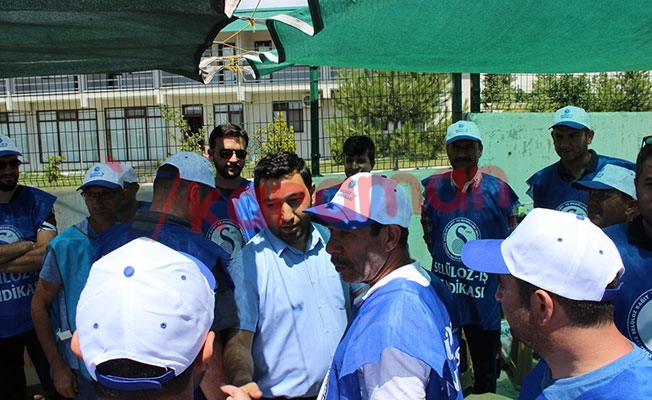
226 153
99 196
15 163
646 141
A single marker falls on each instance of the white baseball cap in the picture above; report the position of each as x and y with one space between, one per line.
192 167
103 175
611 177
364 199
128 173
148 303
560 252
8 147
572 116
462 130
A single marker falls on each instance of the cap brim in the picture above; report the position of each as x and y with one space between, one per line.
571 124
462 137
106 184
592 185
10 153
340 217
485 256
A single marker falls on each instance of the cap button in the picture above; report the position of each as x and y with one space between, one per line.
129 271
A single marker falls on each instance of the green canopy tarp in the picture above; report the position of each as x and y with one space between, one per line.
477 36
93 36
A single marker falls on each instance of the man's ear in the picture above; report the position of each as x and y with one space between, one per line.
632 209
542 307
206 351
393 237
74 345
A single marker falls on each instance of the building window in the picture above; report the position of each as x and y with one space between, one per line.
14 125
69 133
194 116
292 112
136 133
231 113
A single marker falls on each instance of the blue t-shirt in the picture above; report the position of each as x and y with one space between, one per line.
20 219
457 217
633 303
234 218
552 188
626 378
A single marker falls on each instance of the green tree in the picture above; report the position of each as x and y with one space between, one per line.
188 139
53 169
394 108
498 93
624 91
275 137
551 92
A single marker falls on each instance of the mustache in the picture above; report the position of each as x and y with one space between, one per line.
459 159
337 260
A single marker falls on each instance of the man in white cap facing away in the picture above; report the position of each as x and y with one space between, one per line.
27 224
558 276
182 193
143 322
66 265
571 135
378 357
612 196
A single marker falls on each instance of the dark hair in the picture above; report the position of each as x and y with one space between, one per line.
278 165
126 368
358 145
403 241
643 155
227 130
165 183
585 314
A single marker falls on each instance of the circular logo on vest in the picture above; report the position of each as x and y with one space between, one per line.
456 233
639 321
573 207
227 235
9 234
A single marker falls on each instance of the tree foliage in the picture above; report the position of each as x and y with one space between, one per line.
276 136
184 135
398 110
498 92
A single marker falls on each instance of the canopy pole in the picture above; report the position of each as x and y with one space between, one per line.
314 120
457 97
475 93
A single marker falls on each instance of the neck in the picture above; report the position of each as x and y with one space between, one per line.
576 167
100 226
228 184
173 208
395 260
573 351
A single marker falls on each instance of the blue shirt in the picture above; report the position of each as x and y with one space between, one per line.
296 305
52 273
625 378
234 218
633 303
552 187
20 219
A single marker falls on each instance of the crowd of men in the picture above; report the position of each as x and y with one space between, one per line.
269 289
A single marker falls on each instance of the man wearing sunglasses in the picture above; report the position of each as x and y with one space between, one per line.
234 217
552 187
633 304
27 225
612 196
66 266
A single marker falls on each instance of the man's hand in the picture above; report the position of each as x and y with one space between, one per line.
65 381
246 392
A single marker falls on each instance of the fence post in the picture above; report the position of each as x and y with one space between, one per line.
475 93
314 120
457 97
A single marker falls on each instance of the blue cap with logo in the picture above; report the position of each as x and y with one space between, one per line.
8 147
103 175
574 117
462 130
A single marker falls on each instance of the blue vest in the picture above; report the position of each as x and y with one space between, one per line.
549 190
458 217
74 252
20 219
231 222
633 304
392 317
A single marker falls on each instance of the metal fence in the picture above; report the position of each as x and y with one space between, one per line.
63 124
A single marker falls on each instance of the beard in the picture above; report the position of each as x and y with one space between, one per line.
9 184
222 171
